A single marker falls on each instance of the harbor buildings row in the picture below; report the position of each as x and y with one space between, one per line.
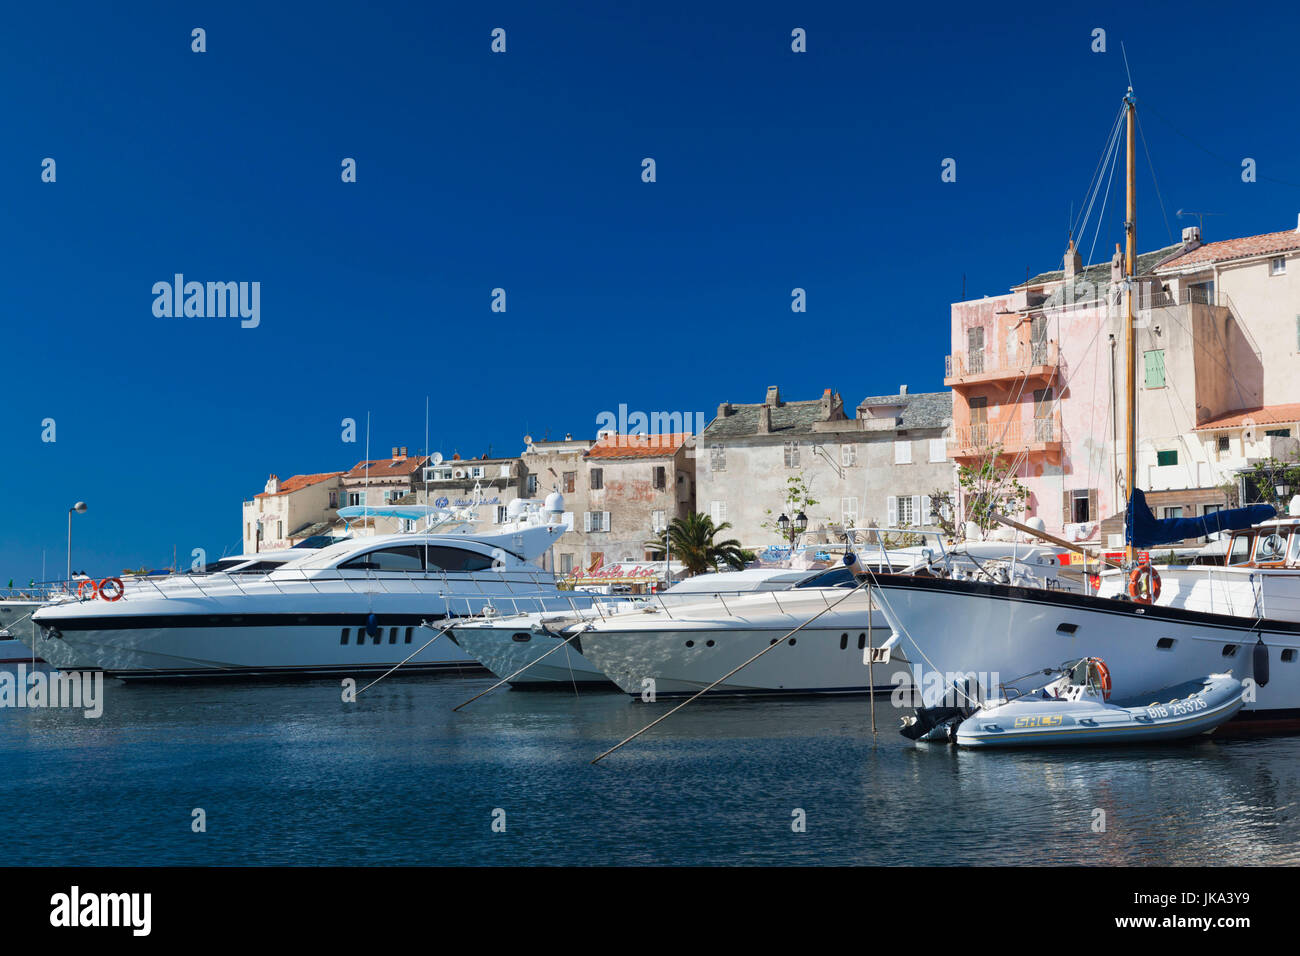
1034 380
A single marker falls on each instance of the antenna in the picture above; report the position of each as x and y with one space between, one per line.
1200 217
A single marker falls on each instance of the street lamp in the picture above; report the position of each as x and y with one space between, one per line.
79 508
783 523
800 523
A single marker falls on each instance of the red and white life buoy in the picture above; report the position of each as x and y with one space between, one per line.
1103 676
1144 584
94 590
118 589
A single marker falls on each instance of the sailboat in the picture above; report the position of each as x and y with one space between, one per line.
1152 633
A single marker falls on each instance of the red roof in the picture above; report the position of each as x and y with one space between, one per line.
298 482
1267 415
1236 249
637 446
388 467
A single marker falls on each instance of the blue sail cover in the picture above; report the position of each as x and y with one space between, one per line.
1142 529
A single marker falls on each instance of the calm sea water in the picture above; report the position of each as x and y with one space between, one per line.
288 774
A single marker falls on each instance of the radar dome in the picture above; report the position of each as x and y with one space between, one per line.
555 502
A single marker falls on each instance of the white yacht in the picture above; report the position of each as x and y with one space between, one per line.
678 650
350 608
526 647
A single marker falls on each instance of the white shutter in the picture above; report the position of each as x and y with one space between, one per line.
902 451
891 517
923 519
938 449
586 521
917 518
604 524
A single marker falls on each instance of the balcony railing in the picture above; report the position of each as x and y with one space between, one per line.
1036 357
1018 435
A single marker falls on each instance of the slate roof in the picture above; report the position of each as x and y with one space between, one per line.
917 410
1237 249
787 418
920 409
1092 282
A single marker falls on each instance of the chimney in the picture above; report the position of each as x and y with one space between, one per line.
902 390
773 399
394 453
724 410
1073 261
1117 265
403 451
765 419
1192 236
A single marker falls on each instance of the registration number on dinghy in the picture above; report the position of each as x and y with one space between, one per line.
1178 708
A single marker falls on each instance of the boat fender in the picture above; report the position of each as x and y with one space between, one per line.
1260 662
1144 584
94 590
372 625
118 590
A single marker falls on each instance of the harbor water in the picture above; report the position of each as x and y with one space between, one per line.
288 773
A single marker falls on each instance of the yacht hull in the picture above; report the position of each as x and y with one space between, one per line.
505 651
960 628
683 653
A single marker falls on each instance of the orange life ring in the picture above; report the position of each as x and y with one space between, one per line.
94 590
1144 584
118 589
1103 676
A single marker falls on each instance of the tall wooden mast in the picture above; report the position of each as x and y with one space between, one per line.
1130 338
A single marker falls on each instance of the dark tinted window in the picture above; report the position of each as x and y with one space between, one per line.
457 559
405 558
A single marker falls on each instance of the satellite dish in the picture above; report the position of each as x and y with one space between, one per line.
437 458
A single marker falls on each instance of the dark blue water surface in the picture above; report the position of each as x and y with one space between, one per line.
289 774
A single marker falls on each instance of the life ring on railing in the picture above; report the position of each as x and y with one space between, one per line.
94 589
1144 584
1103 676
118 589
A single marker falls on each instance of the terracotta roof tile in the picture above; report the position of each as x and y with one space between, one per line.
386 467
298 482
637 446
1237 249
1266 415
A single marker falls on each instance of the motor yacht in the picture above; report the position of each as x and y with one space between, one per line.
350 608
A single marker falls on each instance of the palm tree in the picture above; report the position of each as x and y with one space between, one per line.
692 540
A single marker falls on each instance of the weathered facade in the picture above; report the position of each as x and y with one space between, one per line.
879 466
457 483
285 511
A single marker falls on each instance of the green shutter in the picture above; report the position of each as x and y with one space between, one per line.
1167 457
1155 368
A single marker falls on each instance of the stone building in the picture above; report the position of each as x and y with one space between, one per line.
879 466
457 483
287 511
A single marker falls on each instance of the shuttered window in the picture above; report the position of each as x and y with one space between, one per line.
1155 368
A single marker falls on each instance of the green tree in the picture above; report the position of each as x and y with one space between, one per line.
693 542
990 487
1263 479
798 498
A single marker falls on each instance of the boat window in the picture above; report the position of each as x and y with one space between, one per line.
1240 551
1271 546
1293 556
457 559
406 558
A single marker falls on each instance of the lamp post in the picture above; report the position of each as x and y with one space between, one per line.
792 529
78 508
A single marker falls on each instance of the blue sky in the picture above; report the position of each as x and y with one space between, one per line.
522 171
